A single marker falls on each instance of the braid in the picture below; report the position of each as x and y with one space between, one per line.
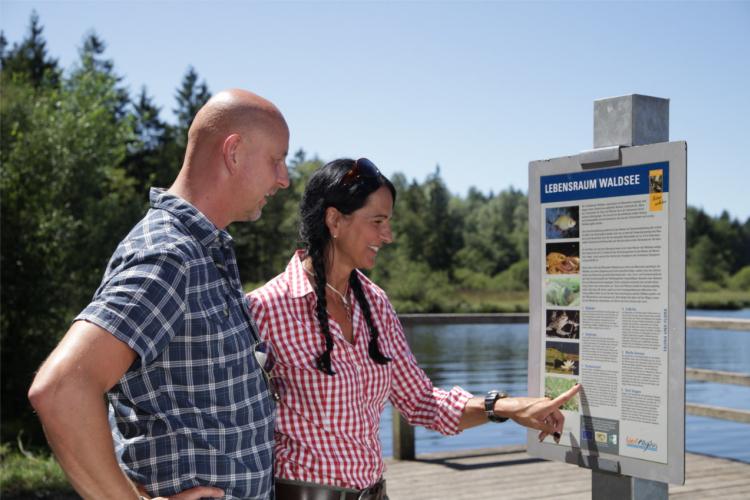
332 186
373 348
323 362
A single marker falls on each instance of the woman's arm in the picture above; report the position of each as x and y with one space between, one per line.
542 414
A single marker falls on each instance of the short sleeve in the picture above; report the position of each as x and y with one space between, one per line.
142 303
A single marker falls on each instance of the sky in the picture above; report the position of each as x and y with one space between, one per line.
479 89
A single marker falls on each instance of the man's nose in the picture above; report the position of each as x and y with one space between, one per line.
282 176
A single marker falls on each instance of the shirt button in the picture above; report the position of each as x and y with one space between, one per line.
226 311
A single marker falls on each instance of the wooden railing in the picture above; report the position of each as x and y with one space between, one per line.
403 433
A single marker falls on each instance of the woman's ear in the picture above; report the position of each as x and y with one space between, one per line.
333 221
229 151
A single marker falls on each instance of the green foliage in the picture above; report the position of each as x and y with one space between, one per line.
724 299
414 287
30 475
28 61
265 246
494 232
153 158
741 280
515 278
717 248
65 201
191 95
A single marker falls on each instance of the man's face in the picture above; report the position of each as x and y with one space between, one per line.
262 158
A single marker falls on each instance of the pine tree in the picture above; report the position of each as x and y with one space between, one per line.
191 96
152 159
29 59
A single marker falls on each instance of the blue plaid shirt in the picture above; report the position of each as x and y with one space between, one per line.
194 408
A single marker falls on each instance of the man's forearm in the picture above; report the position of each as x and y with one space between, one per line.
68 395
78 432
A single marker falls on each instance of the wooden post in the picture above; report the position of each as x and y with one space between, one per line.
403 433
403 438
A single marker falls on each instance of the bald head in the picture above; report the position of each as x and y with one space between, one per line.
233 111
235 157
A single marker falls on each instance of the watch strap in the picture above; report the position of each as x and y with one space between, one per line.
489 405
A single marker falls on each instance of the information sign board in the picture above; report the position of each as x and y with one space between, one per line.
607 308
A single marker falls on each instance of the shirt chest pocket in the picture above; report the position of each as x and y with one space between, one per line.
218 332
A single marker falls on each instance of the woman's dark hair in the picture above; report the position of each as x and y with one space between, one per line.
337 184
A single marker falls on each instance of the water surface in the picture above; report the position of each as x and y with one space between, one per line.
484 357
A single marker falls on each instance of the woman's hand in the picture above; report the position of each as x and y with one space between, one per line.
542 414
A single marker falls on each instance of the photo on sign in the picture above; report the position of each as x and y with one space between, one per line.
563 258
561 222
562 291
554 386
561 357
656 181
563 324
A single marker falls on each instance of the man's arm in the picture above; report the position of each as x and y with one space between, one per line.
68 394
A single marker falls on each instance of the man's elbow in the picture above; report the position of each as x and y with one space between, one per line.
41 395
52 390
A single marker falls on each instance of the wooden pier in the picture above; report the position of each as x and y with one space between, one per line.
509 473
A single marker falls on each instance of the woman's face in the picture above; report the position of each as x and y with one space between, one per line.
360 235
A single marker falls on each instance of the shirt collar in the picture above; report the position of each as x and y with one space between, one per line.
198 224
296 277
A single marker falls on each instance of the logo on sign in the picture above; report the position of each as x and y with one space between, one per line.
643 444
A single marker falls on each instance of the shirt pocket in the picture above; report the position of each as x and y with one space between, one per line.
226 342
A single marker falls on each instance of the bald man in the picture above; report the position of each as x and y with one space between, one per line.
167 337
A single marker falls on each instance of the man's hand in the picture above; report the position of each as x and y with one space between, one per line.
194 494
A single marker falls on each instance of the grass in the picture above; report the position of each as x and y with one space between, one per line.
31 475
723 299
478 301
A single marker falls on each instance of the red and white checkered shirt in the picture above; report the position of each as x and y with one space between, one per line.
327 426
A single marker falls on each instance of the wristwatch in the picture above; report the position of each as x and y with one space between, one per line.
489 406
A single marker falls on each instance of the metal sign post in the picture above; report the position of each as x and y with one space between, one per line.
607 299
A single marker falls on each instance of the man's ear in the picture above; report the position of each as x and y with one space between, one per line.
229 149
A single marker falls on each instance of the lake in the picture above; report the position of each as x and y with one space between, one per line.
484 357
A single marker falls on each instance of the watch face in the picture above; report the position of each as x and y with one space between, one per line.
489 402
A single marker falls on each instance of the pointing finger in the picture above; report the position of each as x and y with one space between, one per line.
566 396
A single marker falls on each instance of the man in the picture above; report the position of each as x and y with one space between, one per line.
168 335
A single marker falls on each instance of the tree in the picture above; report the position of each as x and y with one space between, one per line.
29 60
495 233
442 235
152 158
92 61
65 204
191 96
265 246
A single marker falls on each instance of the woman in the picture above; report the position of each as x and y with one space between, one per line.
341 352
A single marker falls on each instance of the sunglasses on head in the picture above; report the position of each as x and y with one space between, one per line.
362 169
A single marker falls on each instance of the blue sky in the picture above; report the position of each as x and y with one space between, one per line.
479 88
